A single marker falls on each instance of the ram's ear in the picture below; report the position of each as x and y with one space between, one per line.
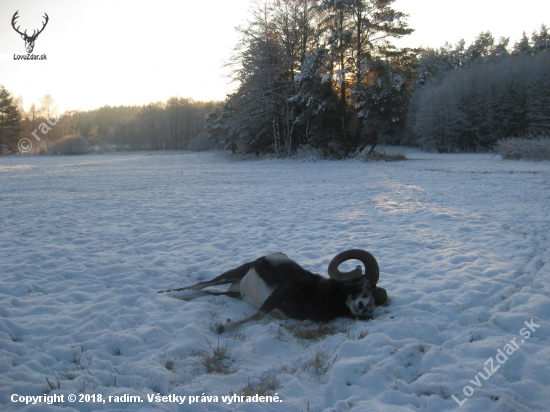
380 296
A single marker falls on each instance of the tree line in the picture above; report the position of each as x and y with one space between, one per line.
169 125
326 74
161 126
37 123
468 98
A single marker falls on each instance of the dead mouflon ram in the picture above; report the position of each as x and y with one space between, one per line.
278 286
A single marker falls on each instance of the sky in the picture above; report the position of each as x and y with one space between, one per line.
136 52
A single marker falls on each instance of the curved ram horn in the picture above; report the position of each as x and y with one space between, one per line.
372 271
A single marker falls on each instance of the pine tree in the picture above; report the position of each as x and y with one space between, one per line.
304 69
317 102
538 106
358 34
541 41
522 46
482 46
10 119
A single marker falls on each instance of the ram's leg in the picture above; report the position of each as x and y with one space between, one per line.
236 295
229 325
301 324
233 291
231 276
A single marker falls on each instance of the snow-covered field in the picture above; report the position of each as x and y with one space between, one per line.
85 243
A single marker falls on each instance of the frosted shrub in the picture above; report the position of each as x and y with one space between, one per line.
379 156
534 148
306 152
71 145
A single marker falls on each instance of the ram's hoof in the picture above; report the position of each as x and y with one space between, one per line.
220 329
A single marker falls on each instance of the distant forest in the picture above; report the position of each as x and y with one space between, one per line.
468 98
155 126
327 75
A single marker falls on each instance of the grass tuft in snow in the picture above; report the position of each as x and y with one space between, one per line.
441 392
363 334
320 361
169 364
213 361
281 335
421 348
238 336
263 387
85 382
351 335
219 302
78 365
52 386
64 374
288 370
319 331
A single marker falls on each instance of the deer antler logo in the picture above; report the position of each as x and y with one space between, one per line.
29 40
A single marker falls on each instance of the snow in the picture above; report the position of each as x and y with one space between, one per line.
85 243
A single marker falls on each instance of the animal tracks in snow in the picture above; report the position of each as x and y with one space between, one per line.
462 243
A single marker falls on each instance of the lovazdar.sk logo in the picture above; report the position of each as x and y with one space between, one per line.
29 40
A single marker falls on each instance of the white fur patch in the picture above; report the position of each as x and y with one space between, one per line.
253 289
361 305
278 258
